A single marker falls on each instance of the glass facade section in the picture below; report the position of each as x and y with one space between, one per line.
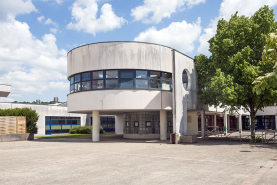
121 79
111 84
155 74
86 86
97 84
127 74
127 83
112 74
141 74
57 125
77 86
155 84
141 84
85 76
166 85
77 78
98 75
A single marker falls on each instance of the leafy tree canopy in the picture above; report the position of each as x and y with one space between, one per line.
269 80
226 76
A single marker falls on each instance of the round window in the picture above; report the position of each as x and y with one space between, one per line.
185 79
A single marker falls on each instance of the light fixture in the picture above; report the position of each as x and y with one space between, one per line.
198 114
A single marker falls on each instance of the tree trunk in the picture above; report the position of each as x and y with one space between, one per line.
253 124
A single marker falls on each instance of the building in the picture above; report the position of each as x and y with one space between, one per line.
151 89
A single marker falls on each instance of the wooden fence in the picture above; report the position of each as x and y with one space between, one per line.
13 125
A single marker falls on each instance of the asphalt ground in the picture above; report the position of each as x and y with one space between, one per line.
115 160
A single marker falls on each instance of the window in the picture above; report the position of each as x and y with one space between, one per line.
166 85
155 75
127 74
148 124
141 84
155 84
97 84
85 76
71 80
136 124
97 75
77 86
77 78
185 79
111 84
126 83
86 86
112 74
141 74
120 79
166 76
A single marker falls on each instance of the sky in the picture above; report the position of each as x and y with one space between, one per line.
35 35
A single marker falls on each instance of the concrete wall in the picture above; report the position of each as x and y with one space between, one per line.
119 100
45 110
119 55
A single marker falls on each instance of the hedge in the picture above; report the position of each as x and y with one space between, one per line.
31 117
84 130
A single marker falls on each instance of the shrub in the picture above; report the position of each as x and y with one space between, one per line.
31 117
84 130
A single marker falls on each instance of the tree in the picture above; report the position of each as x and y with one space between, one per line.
269 55
226 76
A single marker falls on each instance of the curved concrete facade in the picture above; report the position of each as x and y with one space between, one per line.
119 55
172 104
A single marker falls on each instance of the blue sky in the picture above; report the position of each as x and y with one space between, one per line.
35 36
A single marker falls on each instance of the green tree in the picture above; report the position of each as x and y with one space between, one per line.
226 76
269 56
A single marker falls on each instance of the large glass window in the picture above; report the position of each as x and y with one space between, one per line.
127 83
86 86
155 84
97 75
141 84
71 80
112 84
155 74
77 86
112 74
122 79
127 74
97 84
85 76
141 74
77 78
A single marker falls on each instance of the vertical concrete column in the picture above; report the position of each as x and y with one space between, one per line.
119 124
240 123
95 126
225 120
163 125
215 129
203 124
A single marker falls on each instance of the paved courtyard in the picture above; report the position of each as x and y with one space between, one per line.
120 161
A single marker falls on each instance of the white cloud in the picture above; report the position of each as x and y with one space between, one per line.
49 21
28 64
178 35
15 7
57 1
84 15
54 30
160 9
227 8
40 18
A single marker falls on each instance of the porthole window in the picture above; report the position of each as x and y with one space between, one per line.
185 79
